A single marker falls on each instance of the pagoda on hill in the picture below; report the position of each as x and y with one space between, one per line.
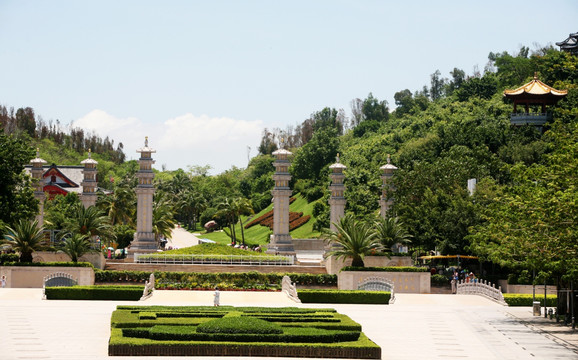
531 95
570 44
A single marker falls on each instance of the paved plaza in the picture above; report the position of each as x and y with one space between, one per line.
415 327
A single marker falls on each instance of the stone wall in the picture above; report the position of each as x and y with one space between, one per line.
405 282
33 276
333 266
308 244
96 259
525 289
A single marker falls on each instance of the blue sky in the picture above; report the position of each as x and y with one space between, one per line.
203 78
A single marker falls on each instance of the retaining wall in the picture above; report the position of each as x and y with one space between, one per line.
405 282
33 276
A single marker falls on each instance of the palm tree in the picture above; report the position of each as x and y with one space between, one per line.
390 231
120 206
90 222
77 245
353 238
242 206
163 218
227 211
25 237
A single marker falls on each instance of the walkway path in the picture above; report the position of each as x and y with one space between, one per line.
416 327
181 238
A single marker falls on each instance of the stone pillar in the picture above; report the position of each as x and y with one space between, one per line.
89 183
387 187
281 240
144 238
38 184
337 189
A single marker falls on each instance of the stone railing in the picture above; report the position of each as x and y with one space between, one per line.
289 288
57 279
277 260
376 283
482 288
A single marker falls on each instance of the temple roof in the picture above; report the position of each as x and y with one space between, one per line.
389 165
536 91
570 44
282 152
338 164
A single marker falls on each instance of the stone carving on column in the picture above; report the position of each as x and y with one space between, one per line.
144 239
38 184
89 183
337 198
387 187
281 239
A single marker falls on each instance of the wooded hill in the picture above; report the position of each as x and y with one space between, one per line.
525 207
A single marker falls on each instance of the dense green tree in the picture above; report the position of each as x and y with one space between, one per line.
317 154
532 222
16 195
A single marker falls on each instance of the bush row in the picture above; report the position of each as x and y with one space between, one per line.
265 216
386 268
8 258
209 280
344 296
294 224
526 300
95 292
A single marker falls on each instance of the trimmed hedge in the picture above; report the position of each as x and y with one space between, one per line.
96 292
386 268
188 280
239 325
344 296
526 300
131 336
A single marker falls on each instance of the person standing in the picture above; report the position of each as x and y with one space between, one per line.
217 297
3 281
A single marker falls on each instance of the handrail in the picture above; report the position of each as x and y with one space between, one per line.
213 259
483 288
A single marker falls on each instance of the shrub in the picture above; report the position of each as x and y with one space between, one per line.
344 296
526 300
94 292
439 280
8 258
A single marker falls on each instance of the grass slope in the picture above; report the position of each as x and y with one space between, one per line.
259 235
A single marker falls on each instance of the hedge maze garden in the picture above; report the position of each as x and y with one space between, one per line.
237 331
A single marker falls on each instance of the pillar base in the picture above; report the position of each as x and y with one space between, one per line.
143 243
281 245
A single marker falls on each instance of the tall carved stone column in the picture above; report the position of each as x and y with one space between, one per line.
144 239
337 189
281 240
38 184
89 183
387 187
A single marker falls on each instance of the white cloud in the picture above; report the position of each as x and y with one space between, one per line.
184 140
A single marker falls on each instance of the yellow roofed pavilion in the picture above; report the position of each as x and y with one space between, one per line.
534 93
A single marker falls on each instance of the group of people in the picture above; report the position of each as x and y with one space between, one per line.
256 248
463 275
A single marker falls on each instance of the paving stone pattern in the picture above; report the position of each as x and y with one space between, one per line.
415 327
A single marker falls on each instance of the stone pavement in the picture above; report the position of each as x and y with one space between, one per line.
415 327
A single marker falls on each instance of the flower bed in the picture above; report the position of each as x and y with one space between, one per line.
231 331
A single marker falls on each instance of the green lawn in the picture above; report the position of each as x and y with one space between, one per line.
259 235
